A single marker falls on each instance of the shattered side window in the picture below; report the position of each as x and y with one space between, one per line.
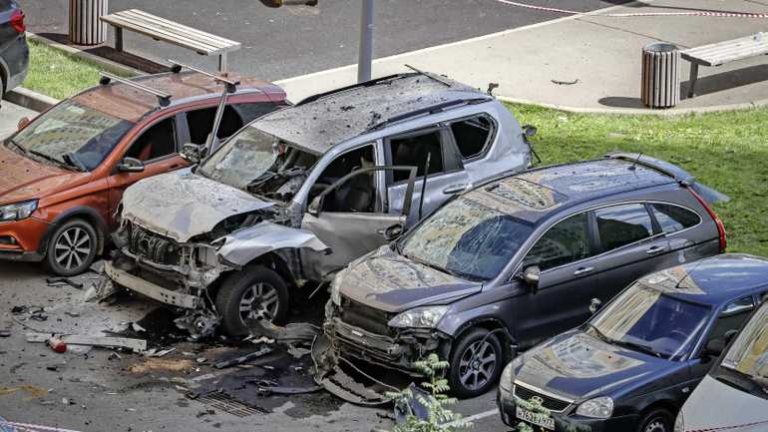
468 238
566 242
749 352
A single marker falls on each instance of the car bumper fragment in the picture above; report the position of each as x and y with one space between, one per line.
149 289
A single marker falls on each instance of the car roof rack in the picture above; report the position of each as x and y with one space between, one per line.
163 98
176 67
426 110
364 84
431 76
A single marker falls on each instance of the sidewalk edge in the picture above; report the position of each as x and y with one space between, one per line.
108 65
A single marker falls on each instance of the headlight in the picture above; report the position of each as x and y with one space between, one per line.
507 380
336 290
17 211
680 423
424 317
601 408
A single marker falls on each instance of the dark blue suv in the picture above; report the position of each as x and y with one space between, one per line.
632 366
14 52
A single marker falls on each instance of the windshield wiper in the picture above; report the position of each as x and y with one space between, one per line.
49 158
17 145
638 347
72 160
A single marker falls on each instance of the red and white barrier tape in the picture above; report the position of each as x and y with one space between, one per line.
34 428
729 428
698 13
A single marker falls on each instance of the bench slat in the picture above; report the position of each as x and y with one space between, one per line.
728 51
169 29
191 30
170 38
177 34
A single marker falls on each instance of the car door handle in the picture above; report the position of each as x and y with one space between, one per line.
452 189
583 270
654 250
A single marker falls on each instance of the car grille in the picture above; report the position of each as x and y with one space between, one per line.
153 247
364 317
548 402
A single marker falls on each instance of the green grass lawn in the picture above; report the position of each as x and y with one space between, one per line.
57 74
727 151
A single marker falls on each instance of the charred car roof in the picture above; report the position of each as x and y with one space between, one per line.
128 103
534 194
712 281
322 121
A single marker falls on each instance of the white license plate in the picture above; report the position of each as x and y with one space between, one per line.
538 419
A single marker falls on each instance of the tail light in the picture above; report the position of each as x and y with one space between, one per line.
713 215
17 21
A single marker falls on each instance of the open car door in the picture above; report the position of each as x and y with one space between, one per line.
353 218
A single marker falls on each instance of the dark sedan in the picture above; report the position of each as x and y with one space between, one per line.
14 52
632 366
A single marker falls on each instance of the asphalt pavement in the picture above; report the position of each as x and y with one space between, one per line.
292 41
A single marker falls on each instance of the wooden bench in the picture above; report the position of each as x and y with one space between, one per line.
720 53
172 32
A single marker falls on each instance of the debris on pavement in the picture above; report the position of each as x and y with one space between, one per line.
153 364
137 345
61 280
33 391
5 333
154 352
244 359
100 291
56 344
291 332
558 82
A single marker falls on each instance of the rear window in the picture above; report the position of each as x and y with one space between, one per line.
673 218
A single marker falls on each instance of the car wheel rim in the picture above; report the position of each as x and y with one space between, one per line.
259 300
477 365
72 248
656 426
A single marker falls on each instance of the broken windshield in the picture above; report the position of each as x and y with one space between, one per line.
72 135
258 162
469 237
749 352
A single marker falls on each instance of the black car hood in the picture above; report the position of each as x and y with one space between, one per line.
579 366
387 281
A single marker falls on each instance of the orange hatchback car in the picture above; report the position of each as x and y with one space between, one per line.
62 175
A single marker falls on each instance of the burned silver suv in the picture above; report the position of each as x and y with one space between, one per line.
301 192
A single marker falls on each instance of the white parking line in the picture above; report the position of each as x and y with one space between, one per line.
472 418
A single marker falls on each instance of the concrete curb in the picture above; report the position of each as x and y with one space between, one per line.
108 65
673 112
30 99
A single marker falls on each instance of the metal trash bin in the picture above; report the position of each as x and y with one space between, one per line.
85 27
661 77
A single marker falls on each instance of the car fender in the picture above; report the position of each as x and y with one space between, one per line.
245 245
86 213
454 324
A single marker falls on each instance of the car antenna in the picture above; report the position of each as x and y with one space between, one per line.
162 97
424 183
230 86
688 273
634 164
430 76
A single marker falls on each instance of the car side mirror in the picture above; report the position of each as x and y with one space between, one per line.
531 276
192 153
529 131
595 305
392 233
715 347
23 122
130 165
314 206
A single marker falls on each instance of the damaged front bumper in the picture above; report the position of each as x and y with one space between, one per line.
148 289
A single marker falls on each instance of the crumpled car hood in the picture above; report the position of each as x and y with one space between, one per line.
390 282
580 366
181 205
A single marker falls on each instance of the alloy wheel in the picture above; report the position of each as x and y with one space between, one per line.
656 425
477 365
72 248
259 300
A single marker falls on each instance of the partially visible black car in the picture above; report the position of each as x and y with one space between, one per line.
633 365
14 51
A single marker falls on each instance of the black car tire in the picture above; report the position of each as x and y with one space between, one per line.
251 284
72 248
462 352
658 420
